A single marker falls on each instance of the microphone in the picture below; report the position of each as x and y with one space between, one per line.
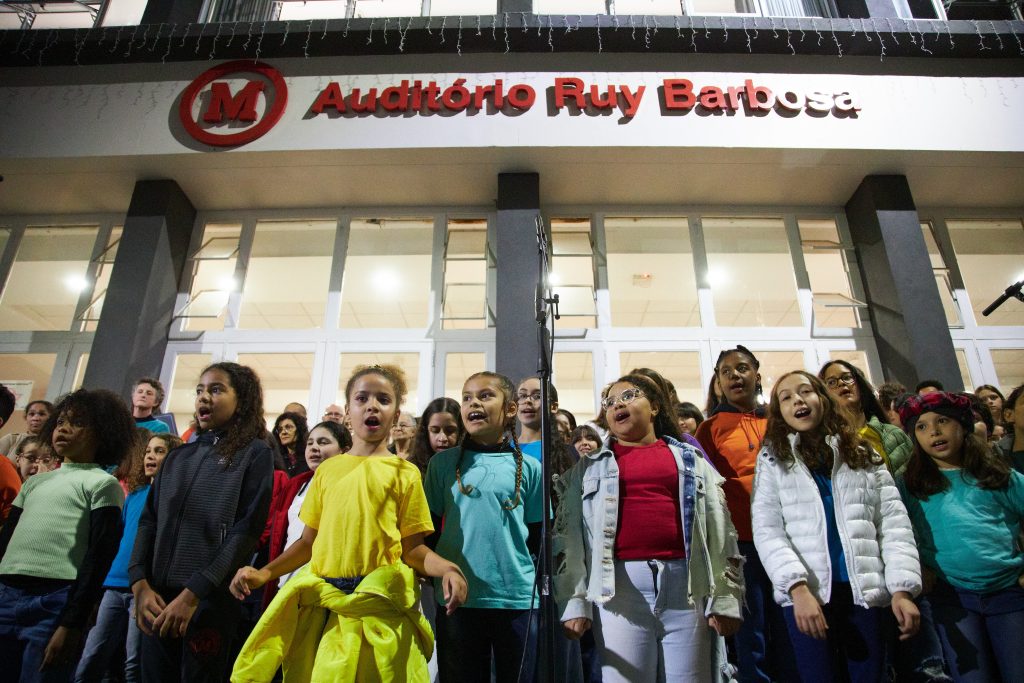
1012 290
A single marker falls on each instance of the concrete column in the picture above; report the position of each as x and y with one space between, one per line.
517 343
903 300
131 337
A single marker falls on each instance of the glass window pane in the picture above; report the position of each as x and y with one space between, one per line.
28 376
83 363
965 372
1009 364
46 283
213 277
182 399
288 275
388 8
775 364
649 7
570 7
105 265
457 368
408 362
722 7
574 379
751 272
464 298
991 258
286 378
387 273
941 277
651 280
572 272
682 368
829 273
462 8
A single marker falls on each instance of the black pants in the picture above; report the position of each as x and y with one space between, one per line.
204 654
467 640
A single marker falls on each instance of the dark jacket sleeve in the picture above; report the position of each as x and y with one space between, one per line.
145 536
105 528
241 539
7 531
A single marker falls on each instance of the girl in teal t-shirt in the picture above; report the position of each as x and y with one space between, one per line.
486 497
967 505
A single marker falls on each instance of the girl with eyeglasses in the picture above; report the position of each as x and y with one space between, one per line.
731 437
848 386
645 550
485 495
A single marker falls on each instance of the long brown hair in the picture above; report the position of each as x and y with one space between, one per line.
132 470
247 423
812 449
923 477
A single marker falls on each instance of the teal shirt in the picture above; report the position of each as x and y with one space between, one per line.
153 425
532 449
968 535
487 541
835 544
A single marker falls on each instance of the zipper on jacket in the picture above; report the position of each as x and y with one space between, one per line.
181 513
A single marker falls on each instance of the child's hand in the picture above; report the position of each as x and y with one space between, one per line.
455 589
907 615
148 606
807 612
575 628
724 626
62 648
173 621
247 579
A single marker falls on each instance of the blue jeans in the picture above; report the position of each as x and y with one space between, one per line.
467 639
27 623
919 659
853 649
763 650
115 627
981 633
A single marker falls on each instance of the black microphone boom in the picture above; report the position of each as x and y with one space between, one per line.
1013 290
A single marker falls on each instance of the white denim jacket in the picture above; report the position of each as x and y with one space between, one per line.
585 528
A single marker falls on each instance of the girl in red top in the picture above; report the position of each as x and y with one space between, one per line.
731 437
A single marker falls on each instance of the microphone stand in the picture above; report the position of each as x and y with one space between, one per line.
1011 291
547 312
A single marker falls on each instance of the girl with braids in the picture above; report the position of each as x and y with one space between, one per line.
731 437
488 497
352 613
643 536
833 534
201 522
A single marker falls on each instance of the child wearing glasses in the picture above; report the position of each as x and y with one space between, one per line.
645 550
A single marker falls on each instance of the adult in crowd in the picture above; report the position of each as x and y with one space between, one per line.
403 436
334 413
290 433
889 395
295 407
147 397
36 414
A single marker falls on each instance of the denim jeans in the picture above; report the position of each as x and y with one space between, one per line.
918 659
27 622
647 632
469 637
853 649
763 650
981 633
115 627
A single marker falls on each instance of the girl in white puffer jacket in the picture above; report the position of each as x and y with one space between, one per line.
833 534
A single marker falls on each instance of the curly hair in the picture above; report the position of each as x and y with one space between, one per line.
923 477
105 414
247 424
132 470
422 451
158 387
869 404
665 423
392 373
888 392
854 451
301 434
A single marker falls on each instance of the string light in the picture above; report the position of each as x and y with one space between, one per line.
309 37
402 32
369 35
187 27
835 38
999 38
156 38
131 42
647 34
789 37
458 40
284 38
170 38
743 23
891 31
725 30
324 34
259 42
632 24
216 37
51 38
949 34
202 28
600 46
444 22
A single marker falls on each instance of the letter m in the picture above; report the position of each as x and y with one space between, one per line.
241 107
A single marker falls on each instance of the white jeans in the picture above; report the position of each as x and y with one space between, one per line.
648 632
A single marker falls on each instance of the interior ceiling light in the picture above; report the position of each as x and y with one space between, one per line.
75 283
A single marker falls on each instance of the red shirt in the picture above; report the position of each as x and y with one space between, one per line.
650 521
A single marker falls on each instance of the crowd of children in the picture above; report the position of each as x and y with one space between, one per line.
820 531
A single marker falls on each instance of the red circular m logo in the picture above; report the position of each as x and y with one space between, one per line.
225 106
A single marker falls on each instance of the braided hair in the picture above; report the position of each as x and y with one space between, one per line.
508 391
